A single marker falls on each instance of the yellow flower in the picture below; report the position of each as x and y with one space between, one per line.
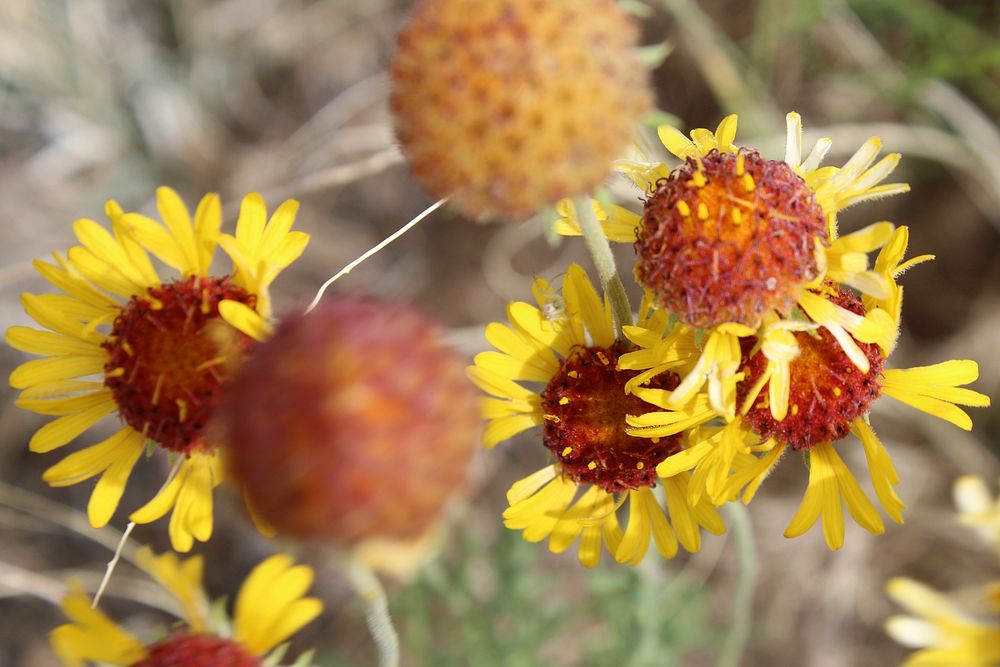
945 633
820 398
582 406
826 405
270 607
962 630
119 339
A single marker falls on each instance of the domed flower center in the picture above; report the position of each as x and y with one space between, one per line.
826 390
169 353
585 406
729 238
197 651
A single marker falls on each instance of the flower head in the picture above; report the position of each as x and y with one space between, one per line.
829 398
953 630
493 102
270 607
736 245
582 404
729 237
158 353
352 424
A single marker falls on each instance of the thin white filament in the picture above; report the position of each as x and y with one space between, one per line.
374 250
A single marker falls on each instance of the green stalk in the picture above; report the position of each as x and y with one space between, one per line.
369 589
600 251
735 642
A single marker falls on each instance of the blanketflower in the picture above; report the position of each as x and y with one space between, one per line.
569 351
270 607
354 424
829 398
121 340
734 244
492 102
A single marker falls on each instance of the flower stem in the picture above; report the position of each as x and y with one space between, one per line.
370 590
735 641
600 251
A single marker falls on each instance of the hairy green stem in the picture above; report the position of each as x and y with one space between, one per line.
735 642
600 251
370 590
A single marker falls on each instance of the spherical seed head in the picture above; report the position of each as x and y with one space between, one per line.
510 105
352 422
827 392
181 650
729 238
585 406
169 355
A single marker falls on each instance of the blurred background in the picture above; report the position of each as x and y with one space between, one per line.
102 99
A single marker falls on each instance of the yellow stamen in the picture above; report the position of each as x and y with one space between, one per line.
156 391
591 465
748 182
702 211
564 400
640 465
154 303
552 418
737 215
116 373
567 451
128 348
698 180
795 409
683 208
741 164
836 391
573 374
211 362
603 358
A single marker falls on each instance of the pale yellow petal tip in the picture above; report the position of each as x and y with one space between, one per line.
401 560
899 588
253 198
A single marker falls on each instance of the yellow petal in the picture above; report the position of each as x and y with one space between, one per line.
498 430
36 341
498 385
244 319
270 607
635 542
175 217
158 240
60 431
526 487
582 298
251 221
675 141
207 223
92 636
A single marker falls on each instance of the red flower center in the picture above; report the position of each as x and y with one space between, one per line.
585 406
169 354
729 238
182 650
827 392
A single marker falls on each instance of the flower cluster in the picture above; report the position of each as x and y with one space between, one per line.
963 629
763 330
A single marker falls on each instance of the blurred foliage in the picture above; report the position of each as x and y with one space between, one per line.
958 43
505 603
